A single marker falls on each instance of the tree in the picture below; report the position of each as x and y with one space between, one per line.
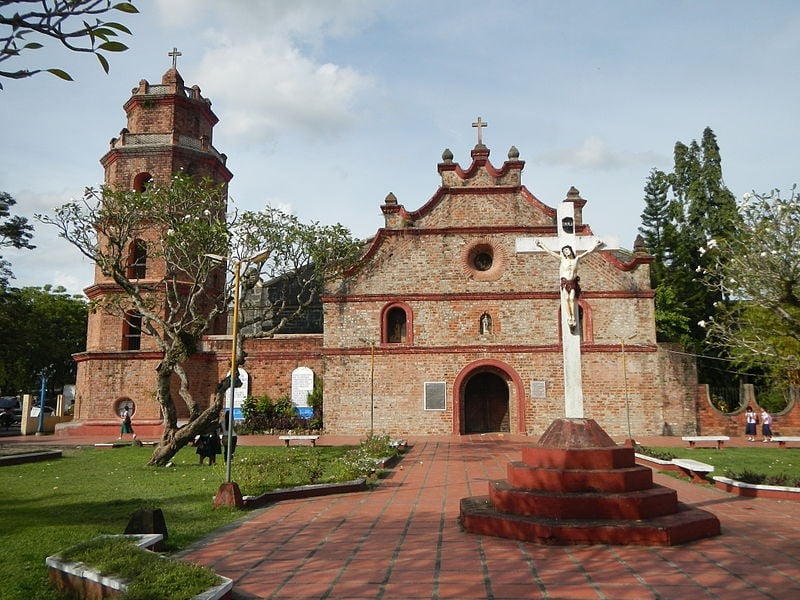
58 20
15 232
185 228
42 328
657 230
757 274
680 227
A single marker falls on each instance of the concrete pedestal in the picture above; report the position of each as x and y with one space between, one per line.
576 486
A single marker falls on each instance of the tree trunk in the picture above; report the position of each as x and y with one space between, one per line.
173 437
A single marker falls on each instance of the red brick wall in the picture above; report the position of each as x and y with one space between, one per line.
711 421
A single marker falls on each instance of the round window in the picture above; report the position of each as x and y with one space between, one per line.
483 261
124 403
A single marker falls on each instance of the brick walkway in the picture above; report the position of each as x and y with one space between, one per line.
402 541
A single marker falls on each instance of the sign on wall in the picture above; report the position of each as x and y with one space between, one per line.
435 395
240 395
302 386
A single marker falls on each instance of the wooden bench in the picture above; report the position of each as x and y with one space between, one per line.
299 438
719 440
693 468
783 439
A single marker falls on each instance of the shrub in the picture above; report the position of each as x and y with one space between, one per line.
263 414
659 454
751 477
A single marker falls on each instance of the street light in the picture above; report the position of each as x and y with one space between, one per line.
237 269
625 383
45 375
371 385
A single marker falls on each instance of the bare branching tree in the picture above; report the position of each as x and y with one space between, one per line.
184 230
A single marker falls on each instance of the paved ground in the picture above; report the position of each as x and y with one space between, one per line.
402 541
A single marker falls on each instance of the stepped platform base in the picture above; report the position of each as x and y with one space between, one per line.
686 525
576 486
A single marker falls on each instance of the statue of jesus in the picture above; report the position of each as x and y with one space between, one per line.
570 282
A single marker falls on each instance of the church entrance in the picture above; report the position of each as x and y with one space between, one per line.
486 404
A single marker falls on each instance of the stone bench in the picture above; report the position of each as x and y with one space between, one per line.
719 440
784 439
693 468
299 438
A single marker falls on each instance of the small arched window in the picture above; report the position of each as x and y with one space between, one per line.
137 260
132 331
141 181
396 324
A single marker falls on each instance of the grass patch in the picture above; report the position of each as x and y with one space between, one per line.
754 464
150 576
52 505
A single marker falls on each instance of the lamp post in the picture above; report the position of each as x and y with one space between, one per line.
234 374
625 383
371 388
44 374
371 385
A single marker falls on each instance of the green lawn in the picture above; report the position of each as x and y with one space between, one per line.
50 506
759 458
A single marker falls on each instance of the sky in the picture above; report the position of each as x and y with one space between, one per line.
326 106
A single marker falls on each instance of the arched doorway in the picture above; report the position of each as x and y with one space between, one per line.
486 404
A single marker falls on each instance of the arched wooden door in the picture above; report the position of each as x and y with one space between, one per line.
486 404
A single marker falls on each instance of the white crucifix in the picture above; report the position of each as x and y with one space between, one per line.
569 249
480 125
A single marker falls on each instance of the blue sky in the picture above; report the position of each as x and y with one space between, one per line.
326 106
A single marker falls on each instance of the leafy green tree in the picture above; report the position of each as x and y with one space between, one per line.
658 230
757 275
66 21
681 227
186 229
42 328
705 214
15 232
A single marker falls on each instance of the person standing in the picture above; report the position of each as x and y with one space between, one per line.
127 425
750 422
208 445
766 425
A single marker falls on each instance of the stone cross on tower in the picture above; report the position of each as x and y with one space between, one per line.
174 54
569 249
480 125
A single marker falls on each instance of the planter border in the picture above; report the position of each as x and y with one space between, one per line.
29 457
70 575
752 490
739 488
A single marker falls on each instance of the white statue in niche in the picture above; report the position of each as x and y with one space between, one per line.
486 324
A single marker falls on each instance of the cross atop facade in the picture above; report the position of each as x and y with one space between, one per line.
174 54
480 125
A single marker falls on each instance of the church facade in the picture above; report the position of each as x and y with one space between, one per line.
451 324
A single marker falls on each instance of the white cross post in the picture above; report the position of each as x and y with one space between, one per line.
480 125
570 333
174 54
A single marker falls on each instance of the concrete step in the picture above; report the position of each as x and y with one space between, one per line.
478 516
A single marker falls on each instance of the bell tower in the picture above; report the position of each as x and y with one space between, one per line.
169 128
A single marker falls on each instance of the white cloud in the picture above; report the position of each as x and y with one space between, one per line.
291 92
595 153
